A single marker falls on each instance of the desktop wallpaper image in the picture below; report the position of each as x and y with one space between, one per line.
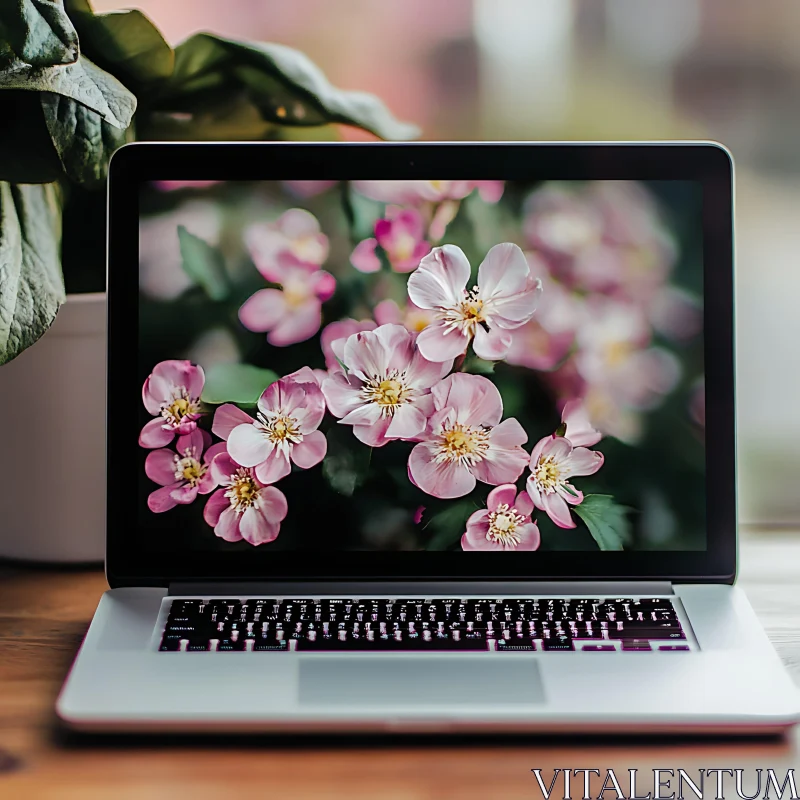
421 365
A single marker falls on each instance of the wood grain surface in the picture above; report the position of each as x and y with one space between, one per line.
45 612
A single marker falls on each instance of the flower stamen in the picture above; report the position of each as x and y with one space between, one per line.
547 475
467 315
465 444
179 406
188 468
281 429
389 392
243 491
504 523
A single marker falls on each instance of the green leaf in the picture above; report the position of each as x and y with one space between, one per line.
284 84
346 463
448 525
126 42
227 118
241 384
83 140
203 264
478 366
606 521
31 285
37 33
81 81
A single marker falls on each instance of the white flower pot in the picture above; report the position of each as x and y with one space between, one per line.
52 412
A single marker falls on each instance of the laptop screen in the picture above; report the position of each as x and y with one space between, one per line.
421 366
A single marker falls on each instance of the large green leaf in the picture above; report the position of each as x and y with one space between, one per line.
37 33
83 140
606 521
82 81
229 118
284 84
203 264
31 286
241 384
125 42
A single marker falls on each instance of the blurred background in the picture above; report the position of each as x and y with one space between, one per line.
597 69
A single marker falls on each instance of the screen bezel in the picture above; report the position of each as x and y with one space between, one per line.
707 163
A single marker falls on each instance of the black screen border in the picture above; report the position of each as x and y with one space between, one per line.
708 163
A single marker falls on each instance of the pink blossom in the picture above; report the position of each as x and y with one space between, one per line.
546 340
161 272
308 188
245 507
284 431
561 222
416 319
504 525
401 234
171 393
631 216
443 215
292 240
292 313
181 473
613 352
490 191
385 393
534 347
577 425
465 440
553 461
334 336
504 299
676 313
606 237
171 186
413 192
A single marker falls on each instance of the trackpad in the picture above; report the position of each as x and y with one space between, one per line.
427 680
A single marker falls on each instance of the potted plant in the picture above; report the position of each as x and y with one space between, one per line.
74 86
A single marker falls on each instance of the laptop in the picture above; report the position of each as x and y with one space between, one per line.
422 437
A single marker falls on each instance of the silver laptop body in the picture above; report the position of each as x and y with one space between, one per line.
632 626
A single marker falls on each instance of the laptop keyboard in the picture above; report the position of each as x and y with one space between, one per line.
420 624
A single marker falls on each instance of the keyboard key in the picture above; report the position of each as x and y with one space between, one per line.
554 644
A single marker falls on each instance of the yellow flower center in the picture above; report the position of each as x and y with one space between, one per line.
462 443
188 468
547 474
295 293
389 392
404 247
504 523
243 491
307 248
617 353
281 429
472 310
467 315
178 407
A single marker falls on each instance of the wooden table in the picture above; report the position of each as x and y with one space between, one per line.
44 613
